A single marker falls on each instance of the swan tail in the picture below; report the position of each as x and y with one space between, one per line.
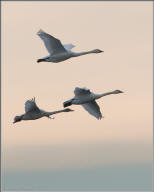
40 60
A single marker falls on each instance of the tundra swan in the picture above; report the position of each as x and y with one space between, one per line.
87 99
57 51
32 112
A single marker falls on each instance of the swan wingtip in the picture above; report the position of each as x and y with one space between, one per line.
40 31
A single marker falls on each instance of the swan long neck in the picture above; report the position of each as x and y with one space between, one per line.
54 112
83 53
104 94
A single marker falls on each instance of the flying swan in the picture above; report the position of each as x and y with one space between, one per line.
57 51
32 112
87 99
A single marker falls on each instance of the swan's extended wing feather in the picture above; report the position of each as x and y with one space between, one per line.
52 44
93 109
81 91
30 106
68 47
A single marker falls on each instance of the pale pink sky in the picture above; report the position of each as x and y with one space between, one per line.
122 29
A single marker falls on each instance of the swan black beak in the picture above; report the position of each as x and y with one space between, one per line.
71 109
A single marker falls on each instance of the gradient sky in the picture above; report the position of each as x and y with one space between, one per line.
75 151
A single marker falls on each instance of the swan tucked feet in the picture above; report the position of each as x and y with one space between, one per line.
50 117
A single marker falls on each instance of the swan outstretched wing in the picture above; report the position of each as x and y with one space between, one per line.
30 106
81 91
52 44
68 47
93 108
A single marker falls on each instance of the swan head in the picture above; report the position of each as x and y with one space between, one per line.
17 118
97 51
117 91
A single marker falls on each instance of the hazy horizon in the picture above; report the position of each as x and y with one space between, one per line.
75 151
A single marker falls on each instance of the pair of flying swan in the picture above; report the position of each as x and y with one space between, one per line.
82 97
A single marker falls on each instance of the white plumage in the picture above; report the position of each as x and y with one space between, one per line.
93 109
86 98
32 112
57 51
30 106
52 44
69 47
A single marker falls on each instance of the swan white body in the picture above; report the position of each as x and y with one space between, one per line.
57 51
87 99
32 112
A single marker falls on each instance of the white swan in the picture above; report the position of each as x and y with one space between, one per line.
32 112
57 51
87 99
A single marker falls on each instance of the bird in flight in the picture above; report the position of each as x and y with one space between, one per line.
86 98
57 51
32 112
